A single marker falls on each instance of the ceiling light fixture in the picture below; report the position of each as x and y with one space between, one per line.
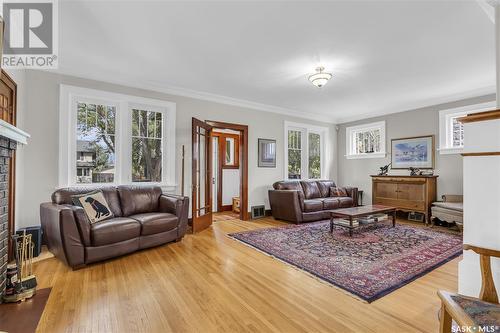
320 78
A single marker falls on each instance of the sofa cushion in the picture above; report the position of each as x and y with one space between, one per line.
311 189
313 205
95 206
458 206
324 187
338 192
139 199
344 202
114 230
63 196
331 203
155 223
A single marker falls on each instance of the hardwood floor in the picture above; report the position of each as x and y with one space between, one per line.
211 283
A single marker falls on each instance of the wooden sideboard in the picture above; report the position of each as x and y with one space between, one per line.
406 193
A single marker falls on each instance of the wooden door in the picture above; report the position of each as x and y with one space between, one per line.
8 90
201 175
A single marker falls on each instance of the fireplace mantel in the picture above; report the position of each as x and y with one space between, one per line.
13 133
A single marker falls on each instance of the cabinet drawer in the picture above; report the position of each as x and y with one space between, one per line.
403 204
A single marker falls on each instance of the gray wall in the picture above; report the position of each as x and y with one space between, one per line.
424 121
39 116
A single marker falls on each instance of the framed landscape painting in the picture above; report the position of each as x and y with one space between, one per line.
415 152
267 153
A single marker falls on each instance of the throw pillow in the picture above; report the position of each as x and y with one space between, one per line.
94 204
338 192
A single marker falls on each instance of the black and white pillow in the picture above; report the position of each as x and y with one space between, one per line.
94 204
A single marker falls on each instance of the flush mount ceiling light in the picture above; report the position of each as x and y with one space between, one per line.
320 78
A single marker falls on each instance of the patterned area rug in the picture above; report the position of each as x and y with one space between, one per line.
375 261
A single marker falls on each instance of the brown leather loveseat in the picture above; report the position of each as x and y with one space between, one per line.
306 201
143 217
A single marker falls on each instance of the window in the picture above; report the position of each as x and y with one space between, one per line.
146 146
109 138
366 141
314 156
95 143
451 131
294 154
305 153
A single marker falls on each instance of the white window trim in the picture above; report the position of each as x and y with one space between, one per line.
349 131
445 133
68 96
325 148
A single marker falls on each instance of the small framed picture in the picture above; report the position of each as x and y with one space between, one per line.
267 153
415 152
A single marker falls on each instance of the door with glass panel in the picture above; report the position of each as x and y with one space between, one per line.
201 175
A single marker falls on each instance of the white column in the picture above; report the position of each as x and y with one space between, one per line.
482 189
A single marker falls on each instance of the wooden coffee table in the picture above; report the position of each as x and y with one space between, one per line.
361 211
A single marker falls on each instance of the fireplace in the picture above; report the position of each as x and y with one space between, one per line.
10 137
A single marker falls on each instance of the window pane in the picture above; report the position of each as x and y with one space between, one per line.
294 169
457 133
158 125
143 123
111 116
146 146
367 141
95 146
294 154
314 156
151 124
135 122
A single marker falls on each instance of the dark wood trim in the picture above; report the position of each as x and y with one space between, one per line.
480 116
485 153
226 208
219 169
203 221
7 80
244 215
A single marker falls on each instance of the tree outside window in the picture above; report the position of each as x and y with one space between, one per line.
146 146
95 143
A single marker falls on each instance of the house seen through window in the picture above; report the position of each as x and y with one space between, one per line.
95 143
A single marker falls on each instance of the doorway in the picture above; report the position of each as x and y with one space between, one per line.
218 146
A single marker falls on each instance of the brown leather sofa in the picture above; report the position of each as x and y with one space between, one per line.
306 201
143 217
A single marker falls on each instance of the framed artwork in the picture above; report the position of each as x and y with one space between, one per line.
415 152
267 153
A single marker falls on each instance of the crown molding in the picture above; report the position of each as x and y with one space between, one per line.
488 6
200 95
421 104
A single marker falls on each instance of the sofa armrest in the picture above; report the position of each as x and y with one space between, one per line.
285 205
353 193
62 234
179 206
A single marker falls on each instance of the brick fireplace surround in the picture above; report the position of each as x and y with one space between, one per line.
10 137
7 146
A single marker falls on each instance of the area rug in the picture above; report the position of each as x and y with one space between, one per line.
375 261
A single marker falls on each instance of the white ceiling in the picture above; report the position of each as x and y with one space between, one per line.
386 56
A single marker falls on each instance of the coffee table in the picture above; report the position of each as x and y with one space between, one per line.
361 211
